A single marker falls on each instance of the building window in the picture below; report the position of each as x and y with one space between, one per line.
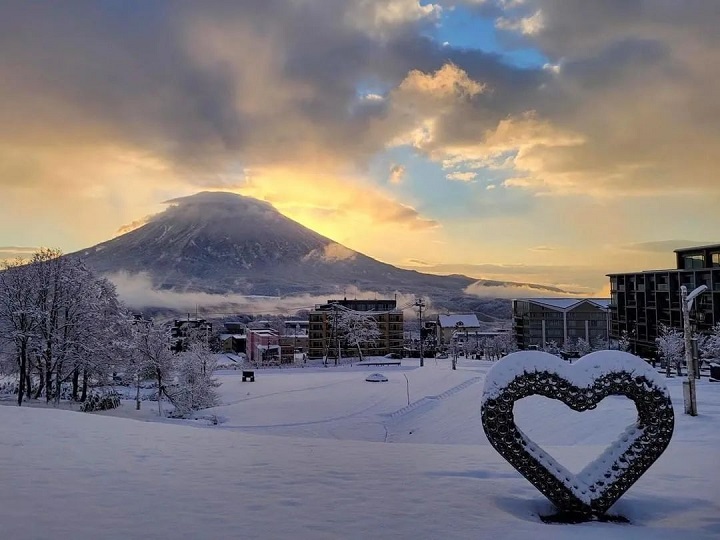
693 260
715 259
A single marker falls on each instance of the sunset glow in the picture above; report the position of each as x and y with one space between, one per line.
538 141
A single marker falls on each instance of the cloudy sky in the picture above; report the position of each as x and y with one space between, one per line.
535 140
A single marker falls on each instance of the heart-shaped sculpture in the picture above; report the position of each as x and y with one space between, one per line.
581 386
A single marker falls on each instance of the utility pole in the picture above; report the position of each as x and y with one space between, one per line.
689 390
420 305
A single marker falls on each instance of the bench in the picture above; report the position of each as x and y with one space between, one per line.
248 375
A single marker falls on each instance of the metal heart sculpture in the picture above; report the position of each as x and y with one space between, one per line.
581 386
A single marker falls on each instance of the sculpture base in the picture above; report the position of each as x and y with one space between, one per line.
571 518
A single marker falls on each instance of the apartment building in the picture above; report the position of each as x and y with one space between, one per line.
322 336
538 321
641 301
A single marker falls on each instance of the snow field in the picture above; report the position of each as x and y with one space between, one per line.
302 454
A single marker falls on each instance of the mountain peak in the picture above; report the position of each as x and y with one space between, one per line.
220 242
220 198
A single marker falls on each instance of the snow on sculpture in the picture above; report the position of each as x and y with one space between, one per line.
581 386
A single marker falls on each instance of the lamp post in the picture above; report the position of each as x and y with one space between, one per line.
689 391
420 305
297 331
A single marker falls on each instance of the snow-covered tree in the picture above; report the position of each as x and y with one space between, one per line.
623 343
569 348
552 347
598 344
196 386
154 357
502 344
582 347
355 328
54 317
18 320
671 347
709 345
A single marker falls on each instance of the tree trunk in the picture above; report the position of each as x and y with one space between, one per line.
137 393
41 385
58 385
75 383
159 395
83 395
23 367
28 383
48 381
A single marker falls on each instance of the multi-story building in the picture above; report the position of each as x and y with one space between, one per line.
641 301
448 325
292 345
389 320
182 329
539 321
263 346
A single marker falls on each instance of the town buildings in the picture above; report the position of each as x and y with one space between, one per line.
447 326
323 337
641 301
539 321
263 346
192 327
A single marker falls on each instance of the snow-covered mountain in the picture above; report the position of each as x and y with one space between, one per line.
223 243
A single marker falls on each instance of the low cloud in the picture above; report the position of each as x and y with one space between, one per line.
490 289
137 292
134 225
331 253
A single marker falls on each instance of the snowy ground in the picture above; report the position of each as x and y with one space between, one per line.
313 453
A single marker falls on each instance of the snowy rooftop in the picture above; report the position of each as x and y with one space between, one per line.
223 337
466 320
567 303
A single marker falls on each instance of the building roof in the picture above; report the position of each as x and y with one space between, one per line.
263 331
223 337
694 248
465 320
267 347
567 303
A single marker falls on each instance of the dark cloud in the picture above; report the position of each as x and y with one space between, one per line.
212 87
212 83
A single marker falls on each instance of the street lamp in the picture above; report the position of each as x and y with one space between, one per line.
689 393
